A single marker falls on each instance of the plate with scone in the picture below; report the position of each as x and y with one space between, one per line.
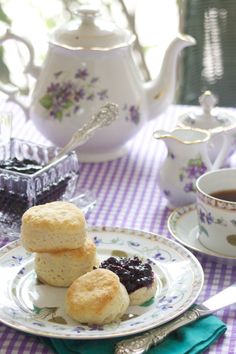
63 279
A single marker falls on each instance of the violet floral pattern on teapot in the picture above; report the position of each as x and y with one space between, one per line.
132 113
64 97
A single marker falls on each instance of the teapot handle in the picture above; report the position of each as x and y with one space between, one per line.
30 68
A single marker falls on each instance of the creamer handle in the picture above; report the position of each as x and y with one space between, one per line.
222 153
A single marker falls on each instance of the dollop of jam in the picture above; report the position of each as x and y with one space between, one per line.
23 166
133 273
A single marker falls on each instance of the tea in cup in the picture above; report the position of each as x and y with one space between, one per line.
216 208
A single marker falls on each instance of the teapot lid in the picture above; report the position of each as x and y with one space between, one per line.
210 118
91 31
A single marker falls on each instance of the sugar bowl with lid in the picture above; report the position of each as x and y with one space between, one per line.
216 121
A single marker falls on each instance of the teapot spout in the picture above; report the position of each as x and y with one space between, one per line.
161 91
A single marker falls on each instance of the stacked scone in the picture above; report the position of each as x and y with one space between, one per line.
57 233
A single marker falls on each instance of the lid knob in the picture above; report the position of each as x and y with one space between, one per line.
87 13
208 101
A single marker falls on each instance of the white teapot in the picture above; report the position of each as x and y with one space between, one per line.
89 62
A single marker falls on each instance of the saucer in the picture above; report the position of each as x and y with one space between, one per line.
183 226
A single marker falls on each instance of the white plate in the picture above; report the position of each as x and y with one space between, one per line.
183 226
30 306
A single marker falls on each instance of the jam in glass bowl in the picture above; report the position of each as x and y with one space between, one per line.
27 180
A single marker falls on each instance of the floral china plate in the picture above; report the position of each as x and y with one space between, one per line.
32 307
183 226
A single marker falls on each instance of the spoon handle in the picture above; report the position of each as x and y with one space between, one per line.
104 117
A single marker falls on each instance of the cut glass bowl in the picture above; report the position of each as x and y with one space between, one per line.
56 181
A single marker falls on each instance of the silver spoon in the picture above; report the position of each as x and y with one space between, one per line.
104 117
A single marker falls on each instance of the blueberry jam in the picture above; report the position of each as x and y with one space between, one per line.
12 206
132 272
23 166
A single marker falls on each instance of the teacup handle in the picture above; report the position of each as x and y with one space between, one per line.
30 68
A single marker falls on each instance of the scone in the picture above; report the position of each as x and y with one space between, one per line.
61 268
97 297
54 226
137 277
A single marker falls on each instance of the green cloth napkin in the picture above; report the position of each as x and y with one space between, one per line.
193 338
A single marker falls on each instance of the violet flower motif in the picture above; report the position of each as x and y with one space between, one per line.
150 261
195 171
39 324
81 74
134 114
78 329
165 307
57 74
102 94
202 216
79 95
167 303
191 172
233 222
181 177
59 97
22 271
96 327
94 80
209 218
90 97
134 243
76 108
202 169
189 187
17 260
53 87
159 256
97 240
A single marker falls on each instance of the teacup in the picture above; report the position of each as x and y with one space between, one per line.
216 208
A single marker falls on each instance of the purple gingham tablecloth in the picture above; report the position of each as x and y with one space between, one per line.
128 196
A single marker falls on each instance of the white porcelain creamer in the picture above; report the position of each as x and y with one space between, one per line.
187 159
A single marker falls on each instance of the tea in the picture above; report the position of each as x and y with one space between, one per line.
227 195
